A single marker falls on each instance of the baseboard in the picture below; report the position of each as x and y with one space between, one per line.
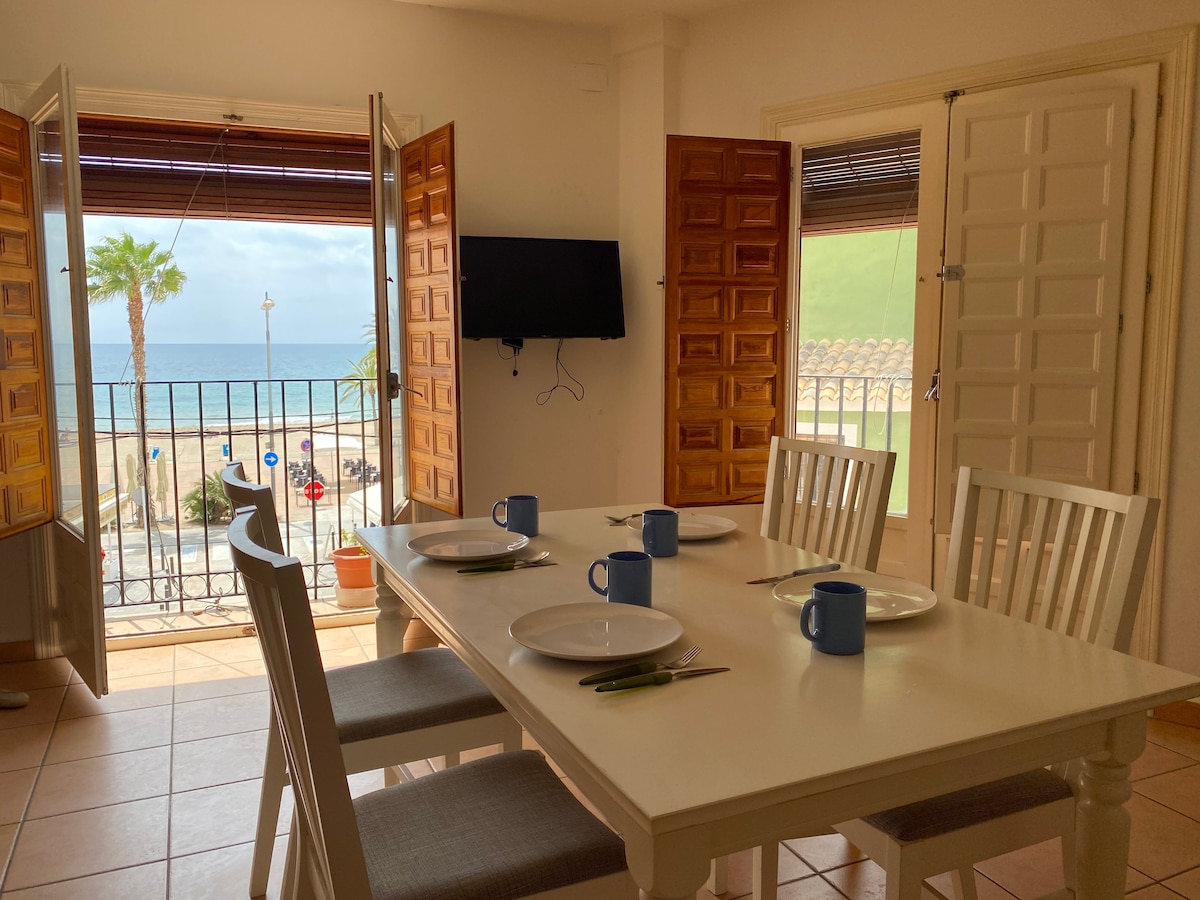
17 651
1185 712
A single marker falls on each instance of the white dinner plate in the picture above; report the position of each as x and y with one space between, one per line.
696 526
887 597
468 546
595 631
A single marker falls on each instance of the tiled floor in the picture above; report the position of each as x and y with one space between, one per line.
152 791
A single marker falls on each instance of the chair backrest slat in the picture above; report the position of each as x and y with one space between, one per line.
243 493
1077 567
279 600
828 499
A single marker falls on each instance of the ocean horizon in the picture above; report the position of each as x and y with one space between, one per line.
186 385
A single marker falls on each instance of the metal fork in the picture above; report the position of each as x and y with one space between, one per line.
621 520
641 668
682 661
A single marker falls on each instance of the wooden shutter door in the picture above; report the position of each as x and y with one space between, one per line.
430 309
1035 219
726 303
25 483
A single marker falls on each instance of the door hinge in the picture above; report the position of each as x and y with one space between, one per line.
1137 481
952 273
792 174
950 96
1160 105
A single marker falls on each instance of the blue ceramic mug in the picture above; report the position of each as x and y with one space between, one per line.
660 532
838 613
628 577
520 514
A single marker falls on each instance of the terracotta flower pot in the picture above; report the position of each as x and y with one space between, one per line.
353 567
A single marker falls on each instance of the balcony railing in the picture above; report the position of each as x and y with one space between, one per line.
162 551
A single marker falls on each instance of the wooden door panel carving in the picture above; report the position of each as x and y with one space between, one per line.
25 491
431 320
726 261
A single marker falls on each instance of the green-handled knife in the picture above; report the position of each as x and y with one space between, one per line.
624 684
507 565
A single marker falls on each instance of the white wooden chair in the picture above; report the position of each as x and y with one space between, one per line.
828 499
387 712
1063 557
500 827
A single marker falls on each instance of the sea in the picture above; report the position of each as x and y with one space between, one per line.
217 386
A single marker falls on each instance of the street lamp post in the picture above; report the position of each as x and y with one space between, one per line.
267 305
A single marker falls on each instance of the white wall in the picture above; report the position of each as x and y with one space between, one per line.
757 55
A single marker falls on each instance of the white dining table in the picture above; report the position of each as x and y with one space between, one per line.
790 740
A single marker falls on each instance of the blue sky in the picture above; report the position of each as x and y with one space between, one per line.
320 277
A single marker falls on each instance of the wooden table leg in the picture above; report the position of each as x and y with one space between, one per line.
1102 821
392 621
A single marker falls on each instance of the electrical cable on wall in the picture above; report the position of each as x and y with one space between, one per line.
560 369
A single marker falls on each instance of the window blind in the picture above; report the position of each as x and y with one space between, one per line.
860 184
157 168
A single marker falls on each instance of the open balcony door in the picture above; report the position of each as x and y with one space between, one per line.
76 605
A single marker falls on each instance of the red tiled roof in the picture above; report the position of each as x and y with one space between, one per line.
881 367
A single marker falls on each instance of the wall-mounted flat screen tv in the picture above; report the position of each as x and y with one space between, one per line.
540 288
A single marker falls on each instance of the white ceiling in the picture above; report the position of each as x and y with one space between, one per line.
585 12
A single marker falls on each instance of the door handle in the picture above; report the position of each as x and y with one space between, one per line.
394 387
935 386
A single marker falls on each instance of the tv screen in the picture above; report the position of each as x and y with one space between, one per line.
540 288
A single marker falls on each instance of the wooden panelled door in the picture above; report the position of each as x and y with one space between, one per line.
727 234
25 476
429 304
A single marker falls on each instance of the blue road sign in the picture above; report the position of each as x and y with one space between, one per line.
224 450
305 445
271 458
154 451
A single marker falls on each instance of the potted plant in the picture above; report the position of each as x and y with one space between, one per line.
351 563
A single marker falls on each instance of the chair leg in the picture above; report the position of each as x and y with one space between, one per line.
291 865
1069 860
964 883
274 780
765 872
903 885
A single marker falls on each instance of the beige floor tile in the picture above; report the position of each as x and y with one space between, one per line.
146 882
1028 872
364 633
1187 884
366 782
825 851
101 781
136 692
1162 842
208 653
15 788
1153 892
335 638
90 736
223 873
791 867
8 837
142 661
1179 738
206 682
1156 760
217 760
100 840
343 656
38 673
814 888
199 719
219 817
861 879
44 704
1135 879
22 748
1178 790
987 889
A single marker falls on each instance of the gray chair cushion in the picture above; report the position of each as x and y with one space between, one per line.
960 809
497 828
405 692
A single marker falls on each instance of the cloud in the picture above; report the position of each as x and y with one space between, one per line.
320 277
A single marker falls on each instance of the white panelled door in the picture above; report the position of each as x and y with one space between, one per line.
1035 244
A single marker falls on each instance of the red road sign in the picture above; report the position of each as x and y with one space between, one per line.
314 491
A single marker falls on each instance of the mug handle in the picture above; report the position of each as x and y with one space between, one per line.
602 591
804 618
496 506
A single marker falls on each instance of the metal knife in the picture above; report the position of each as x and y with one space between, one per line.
624 684
623 672
506 565
809 570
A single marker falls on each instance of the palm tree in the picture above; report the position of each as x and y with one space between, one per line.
120 267
366 371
